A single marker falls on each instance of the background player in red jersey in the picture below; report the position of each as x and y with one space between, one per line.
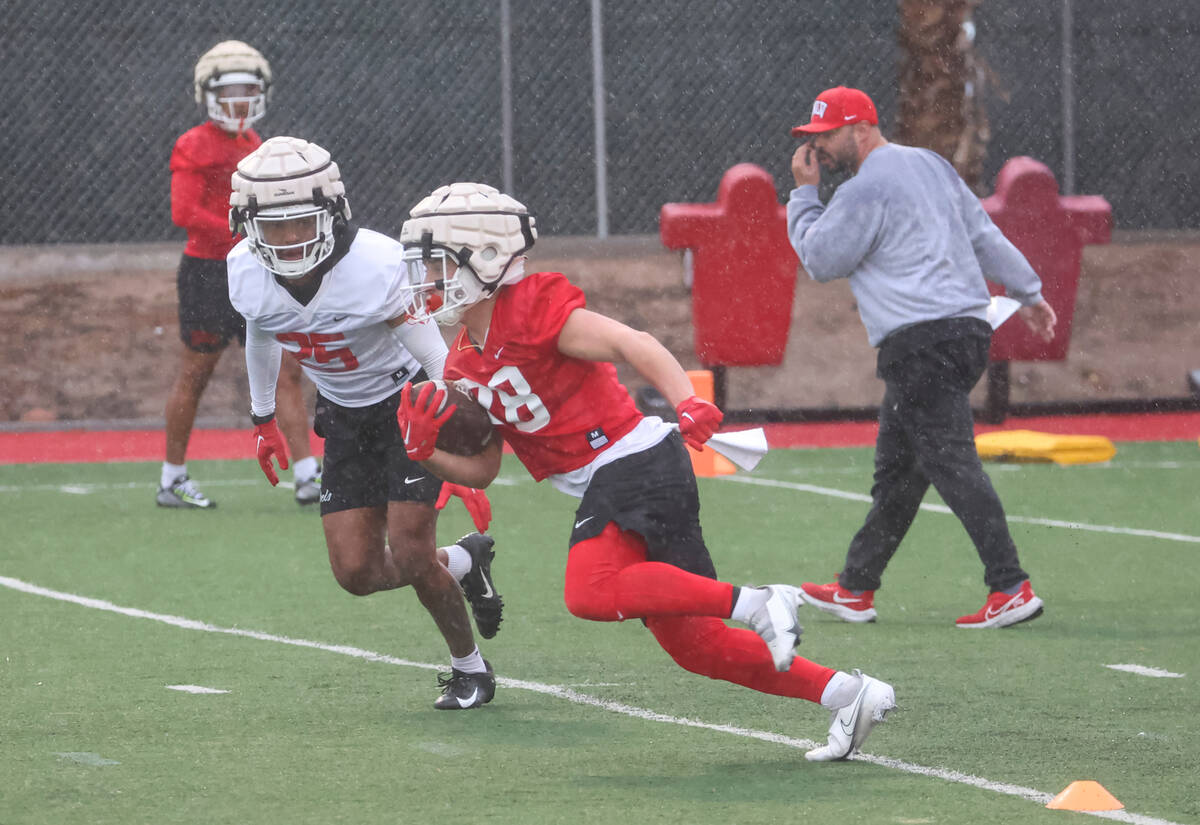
231 81
542 365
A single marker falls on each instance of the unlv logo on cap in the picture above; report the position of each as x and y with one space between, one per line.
819 108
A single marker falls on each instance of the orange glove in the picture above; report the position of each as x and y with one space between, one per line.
698 420
419 421
268 444
476 502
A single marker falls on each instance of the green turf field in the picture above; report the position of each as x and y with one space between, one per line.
105 600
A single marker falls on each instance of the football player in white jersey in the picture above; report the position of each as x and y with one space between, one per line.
331 295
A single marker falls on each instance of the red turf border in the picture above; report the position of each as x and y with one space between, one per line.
78 446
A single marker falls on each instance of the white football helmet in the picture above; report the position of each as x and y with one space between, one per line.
288 196
229 76
480 230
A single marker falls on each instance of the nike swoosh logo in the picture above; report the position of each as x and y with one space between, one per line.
470 700
408 480
582 522
837 597
487 588
338 318
849 729
688 416
848 117
1017 602
497 355
260 441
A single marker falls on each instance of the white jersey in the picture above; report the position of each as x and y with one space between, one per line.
341 338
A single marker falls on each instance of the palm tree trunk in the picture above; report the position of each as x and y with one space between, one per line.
941 84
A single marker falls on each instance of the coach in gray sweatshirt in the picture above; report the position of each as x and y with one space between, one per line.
916 245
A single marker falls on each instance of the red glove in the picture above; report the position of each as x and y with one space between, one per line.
476 502
268 443
419 421
698 420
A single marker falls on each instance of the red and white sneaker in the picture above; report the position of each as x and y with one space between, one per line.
842 603
1002 610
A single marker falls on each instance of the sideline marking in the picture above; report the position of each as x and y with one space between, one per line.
562 692
941 508
1141 670
85 489
195 689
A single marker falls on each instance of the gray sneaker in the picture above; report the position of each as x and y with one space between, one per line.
308 491
182 492
777 624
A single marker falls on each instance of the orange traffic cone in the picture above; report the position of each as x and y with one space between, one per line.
1085 795
706 461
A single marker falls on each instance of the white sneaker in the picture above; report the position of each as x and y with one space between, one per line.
777 624
852 724
308 491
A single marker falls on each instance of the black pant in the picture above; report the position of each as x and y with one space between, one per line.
926 435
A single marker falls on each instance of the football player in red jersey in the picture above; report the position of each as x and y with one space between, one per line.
541 363
231 81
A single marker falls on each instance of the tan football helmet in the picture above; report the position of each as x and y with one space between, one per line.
288 196
229 77
482 231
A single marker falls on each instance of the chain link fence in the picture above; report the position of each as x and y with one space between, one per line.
410 95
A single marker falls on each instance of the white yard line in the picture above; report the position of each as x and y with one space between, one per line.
563 692
1142 670
941 508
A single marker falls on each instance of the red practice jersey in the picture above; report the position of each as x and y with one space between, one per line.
558 413
202 162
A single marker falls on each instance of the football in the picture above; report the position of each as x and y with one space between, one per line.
469 430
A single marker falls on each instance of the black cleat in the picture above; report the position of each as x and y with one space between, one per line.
477 585
463 691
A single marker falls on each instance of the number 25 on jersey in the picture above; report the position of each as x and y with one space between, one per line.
320 350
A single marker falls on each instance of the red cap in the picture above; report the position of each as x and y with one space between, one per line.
838 107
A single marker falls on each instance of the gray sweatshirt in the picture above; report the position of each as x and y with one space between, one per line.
914 241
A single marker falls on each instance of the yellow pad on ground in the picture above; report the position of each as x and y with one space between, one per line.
1029 445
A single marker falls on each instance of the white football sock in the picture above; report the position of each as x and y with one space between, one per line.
749 599
305 468
458 561
170 472
841 690
471 663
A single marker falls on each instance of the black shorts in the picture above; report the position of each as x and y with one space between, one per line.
653 493
365 461
207 320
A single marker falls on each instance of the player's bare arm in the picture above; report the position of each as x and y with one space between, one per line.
594 337
476 471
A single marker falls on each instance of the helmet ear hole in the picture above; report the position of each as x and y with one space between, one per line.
488 253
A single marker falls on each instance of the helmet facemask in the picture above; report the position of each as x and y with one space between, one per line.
236 100
291 240
442 288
